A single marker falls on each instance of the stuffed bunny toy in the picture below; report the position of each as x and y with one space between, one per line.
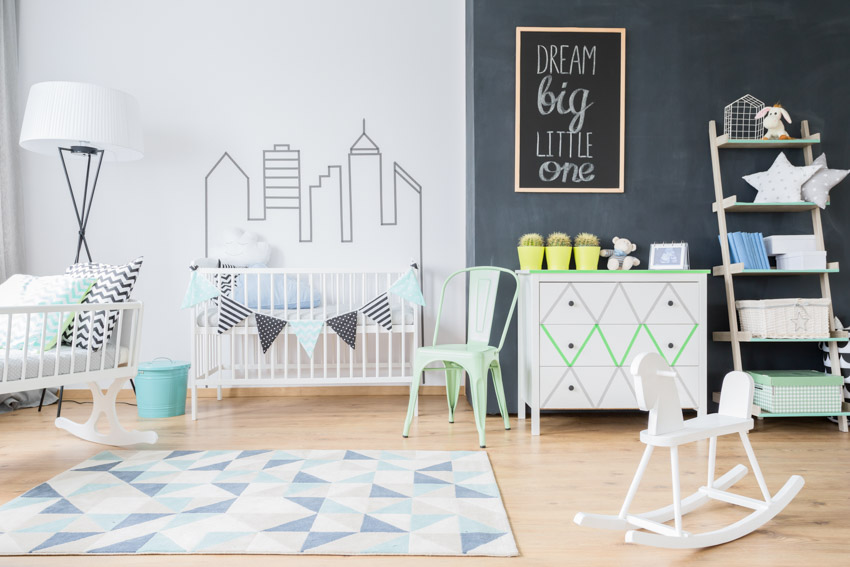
773 116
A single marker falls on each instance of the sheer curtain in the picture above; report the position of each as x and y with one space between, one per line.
11 254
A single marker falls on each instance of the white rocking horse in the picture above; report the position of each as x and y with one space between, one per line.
656 392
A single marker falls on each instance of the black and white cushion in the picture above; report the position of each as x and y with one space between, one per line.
114 285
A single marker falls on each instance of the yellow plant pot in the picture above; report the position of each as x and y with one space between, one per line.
558 257
530 257
587 257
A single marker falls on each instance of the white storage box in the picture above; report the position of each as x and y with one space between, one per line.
784 318
808 260
784 243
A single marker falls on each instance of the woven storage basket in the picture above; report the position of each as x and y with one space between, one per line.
784 318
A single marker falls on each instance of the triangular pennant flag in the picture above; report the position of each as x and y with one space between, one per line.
200 289
269 328
345 326
230 314
379 311
307 333
407 287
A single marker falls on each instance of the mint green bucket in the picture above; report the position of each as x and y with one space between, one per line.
161 388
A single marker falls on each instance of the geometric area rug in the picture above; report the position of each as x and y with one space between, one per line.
333 502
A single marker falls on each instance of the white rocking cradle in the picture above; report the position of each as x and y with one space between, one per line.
656 393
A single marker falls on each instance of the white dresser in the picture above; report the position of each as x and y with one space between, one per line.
580 330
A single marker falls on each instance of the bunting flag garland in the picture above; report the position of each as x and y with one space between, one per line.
230 314
268 328
407 287
379 311
307 333
226 280
199 290
346 327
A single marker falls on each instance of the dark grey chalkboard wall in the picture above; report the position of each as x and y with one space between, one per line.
684 62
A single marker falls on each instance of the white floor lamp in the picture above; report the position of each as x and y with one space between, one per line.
82 120
89 121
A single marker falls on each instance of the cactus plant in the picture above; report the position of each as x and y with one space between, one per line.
531 239
558 239
586 239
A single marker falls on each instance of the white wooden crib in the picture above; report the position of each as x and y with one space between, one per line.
235 358
35 368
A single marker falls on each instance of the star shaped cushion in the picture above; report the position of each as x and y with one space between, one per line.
782 183
816 189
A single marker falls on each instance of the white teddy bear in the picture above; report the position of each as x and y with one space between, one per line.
618 258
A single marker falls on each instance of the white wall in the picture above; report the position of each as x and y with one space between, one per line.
215 76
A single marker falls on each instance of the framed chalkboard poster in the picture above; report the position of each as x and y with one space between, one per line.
570 109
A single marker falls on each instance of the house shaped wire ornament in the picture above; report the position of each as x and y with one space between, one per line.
739 119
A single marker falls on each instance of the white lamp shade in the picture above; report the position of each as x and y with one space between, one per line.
64 114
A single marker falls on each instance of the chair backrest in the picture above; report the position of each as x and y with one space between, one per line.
656 392
483 289
736 395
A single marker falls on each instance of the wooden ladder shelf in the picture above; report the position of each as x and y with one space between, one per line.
730 271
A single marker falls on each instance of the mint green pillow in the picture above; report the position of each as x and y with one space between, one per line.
22 290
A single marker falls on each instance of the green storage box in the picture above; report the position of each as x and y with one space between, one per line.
797 391
161 388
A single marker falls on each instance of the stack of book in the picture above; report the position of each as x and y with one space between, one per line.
748 248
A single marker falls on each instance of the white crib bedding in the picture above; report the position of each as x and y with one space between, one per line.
106 356
209 317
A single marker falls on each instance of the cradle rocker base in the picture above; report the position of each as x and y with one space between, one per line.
105 404
658 534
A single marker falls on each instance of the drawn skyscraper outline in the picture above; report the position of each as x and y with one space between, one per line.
281 178
207 197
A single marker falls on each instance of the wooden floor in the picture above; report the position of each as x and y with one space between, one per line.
581 462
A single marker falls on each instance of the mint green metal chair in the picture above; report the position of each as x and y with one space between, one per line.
476 357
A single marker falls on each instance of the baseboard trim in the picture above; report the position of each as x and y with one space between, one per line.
285 392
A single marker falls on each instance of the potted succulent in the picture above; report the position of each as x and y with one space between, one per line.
558 251
587 251
530 251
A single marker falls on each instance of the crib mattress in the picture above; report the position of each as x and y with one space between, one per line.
209 317
104 358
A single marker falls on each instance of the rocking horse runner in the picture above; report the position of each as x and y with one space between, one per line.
656 392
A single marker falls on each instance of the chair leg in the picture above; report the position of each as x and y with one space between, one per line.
478 384
677 493
414 396
712 459
496 371
755 465
454 376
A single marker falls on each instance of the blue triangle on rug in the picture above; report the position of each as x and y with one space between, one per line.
381 492
371 524
303 477
217 508
472 540
316 539
302 525
127 546
352 456
419 478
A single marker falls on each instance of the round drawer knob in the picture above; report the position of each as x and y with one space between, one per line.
571 388
571 345
669 345
571 303
670 303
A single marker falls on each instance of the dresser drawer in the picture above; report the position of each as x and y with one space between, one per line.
580 345
678 344
560 389
573 303
664 303
620 393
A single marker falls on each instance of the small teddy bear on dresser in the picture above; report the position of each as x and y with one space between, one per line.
618 257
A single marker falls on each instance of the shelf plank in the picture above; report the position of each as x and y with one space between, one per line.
747 337
732 205
738 270
724 142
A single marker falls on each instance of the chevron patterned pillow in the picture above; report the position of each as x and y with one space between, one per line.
114 285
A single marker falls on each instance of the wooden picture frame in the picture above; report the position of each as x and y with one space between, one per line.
616 182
